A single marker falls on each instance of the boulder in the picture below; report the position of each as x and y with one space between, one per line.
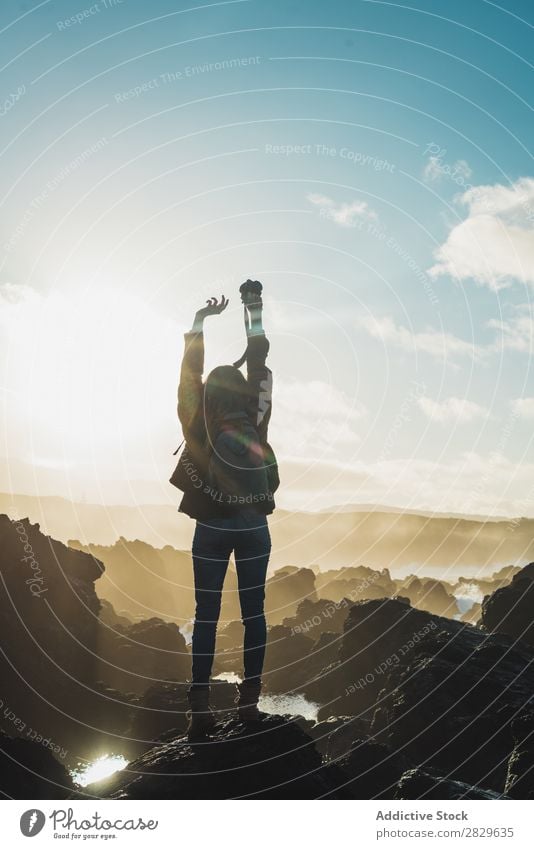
378 635
452 703
510 610
274 760
28 770
430 595
427 784
285 590
162 712
520 773
313 617
136 656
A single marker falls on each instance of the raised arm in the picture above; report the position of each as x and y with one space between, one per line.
190 388
259 375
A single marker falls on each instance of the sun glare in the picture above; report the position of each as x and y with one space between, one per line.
100 768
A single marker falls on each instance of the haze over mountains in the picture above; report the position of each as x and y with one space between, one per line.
400 541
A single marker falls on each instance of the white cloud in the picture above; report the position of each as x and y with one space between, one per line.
344 214
452 410
494 245
313 418
516 332
434 342
523 407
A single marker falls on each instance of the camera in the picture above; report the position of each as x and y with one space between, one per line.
251 292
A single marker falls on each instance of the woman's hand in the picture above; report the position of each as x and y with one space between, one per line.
214 307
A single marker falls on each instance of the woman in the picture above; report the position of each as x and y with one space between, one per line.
226 406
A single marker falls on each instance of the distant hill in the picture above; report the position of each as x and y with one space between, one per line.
377 538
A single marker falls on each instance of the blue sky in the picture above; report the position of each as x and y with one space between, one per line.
368 161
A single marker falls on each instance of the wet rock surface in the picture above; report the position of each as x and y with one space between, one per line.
274 760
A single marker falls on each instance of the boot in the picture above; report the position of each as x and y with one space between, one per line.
201 718
248 693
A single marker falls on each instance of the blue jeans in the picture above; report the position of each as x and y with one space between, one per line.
247 535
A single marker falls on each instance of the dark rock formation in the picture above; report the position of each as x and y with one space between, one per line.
451 705
472 615
334 737
313 617
427 784
136 656
486 586
287 588
68 674
49 635
370 771
357 583
147 581
284 657
430 595
161 712
30 771
377 636
279 758
276 760
439 692
520 775
510 610
424 706
109 616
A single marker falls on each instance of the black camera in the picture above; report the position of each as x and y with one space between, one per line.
250 287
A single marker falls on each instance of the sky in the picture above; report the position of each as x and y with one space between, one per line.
367 161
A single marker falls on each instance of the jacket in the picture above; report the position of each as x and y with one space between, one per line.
195 502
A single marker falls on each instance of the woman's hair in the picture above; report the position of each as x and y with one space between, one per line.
225 395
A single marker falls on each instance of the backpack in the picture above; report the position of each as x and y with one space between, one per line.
189 473
198 470
240 470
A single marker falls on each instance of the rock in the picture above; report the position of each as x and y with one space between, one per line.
486 586
30 771
66 673
157 579
161 712
430 595
371 770
50 587
313 617
287 588
377 636
510 610
49 636
143 653
452 702
284 657
355 582
520 773
275 760
427 784
472 615
334 736
108 615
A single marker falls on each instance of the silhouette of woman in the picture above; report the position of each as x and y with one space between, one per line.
228 410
